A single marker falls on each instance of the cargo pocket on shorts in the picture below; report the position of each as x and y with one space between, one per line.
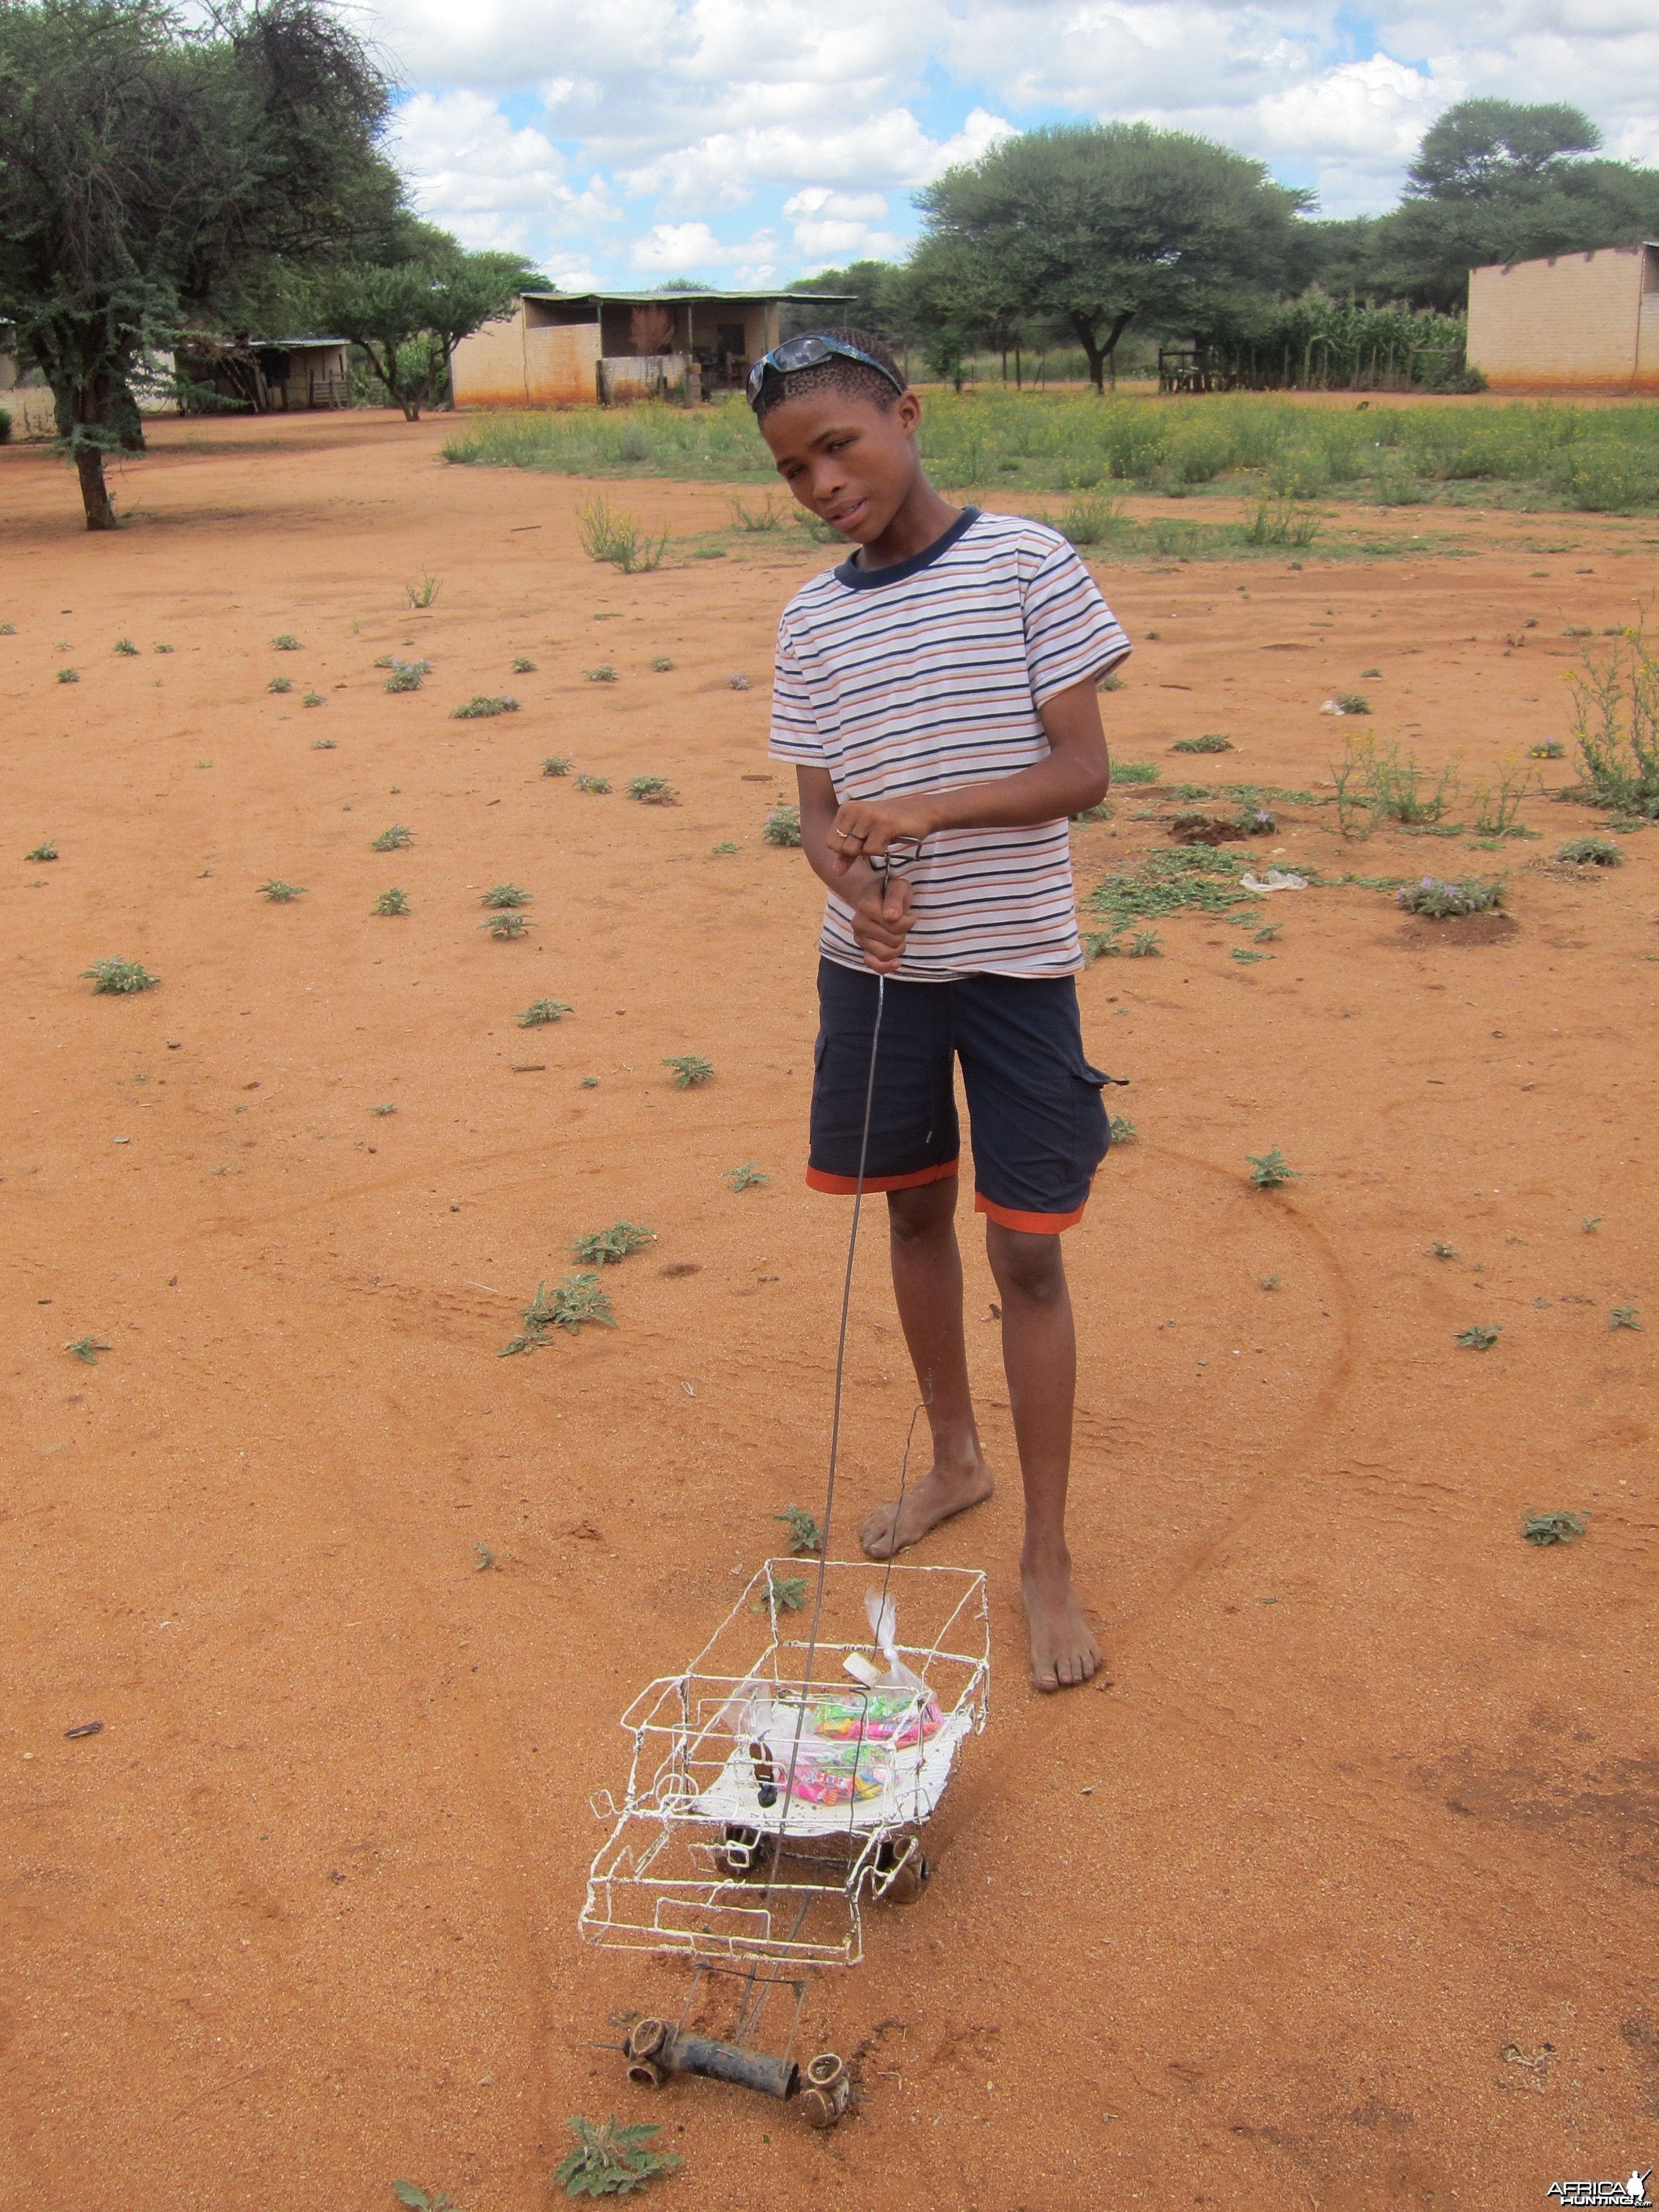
1091 1134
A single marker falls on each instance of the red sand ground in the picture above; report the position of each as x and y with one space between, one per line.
1338 1891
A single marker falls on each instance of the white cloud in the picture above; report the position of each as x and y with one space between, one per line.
472 171
669 248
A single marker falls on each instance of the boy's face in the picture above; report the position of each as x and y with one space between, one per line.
854 464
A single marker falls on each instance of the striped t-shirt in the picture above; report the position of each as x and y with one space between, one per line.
929 675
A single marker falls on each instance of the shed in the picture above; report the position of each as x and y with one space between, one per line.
1571 322
569 348
270 375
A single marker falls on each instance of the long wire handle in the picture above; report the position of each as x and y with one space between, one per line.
835 1423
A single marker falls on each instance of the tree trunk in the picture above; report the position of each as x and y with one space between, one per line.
1085 333
94 492
1102 356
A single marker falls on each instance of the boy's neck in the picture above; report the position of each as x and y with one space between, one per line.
922 519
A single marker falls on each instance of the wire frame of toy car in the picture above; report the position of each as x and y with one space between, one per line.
761 1808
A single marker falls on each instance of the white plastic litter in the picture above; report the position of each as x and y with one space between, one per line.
1276 879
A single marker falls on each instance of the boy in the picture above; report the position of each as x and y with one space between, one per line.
936 694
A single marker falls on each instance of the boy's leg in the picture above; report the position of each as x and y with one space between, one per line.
1040 1131
927 1284
1039 1357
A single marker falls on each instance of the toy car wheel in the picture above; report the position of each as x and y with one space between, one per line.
901 1871
746 1851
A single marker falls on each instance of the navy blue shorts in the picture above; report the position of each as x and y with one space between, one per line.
1039 1127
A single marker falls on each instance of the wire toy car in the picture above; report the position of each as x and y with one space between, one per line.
777 1785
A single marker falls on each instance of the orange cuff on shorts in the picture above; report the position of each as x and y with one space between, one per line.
1035 1224
846 1186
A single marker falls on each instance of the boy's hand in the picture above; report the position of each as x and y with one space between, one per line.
865 826
881 922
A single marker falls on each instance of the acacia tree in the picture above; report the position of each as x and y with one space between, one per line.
408 302
153 169
1099 226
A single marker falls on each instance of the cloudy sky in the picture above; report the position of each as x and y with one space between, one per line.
752 141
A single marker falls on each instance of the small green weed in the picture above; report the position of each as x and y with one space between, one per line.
766 516
1123 1130
604 673
45 851
1350 702
1444 1251
69 676
610 2160
523 667
805 1537
652 790
1496 806
783 826
422 593
393 840
161 648
573 1304
1266 936
7 629
1100 811
383 1109
278 892
1551 749
1245 956
1169 880
1438 901
558 764
313 699
1590 1223
1279 522
1271 1282
689 1070
86 1349
736 681
506 895
605 1247
598 785
119 977
787 1594
1110 682
1478 1337
1624 1317
661 665
482 706
418 2201
1554 1528
506 927
747 1177
324 745
283 643
725 846
392 902
617 536
126 648
1089 518
1134 772
1211 742
1590 852
540 1011
280 684
1270 1170
1616 726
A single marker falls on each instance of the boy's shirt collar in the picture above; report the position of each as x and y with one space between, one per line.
865 579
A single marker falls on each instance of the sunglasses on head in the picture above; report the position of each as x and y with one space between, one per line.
811 352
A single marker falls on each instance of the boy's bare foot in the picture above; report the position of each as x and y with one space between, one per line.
941 1492
1063 1651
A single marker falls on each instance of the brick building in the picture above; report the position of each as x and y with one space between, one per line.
1574 322
569 350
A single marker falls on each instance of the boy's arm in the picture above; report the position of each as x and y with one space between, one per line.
1075 775
880 903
